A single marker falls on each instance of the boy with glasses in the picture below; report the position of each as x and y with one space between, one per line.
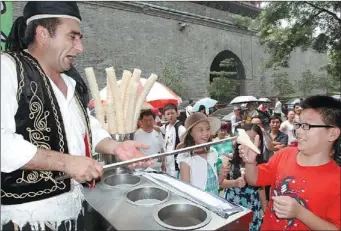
305 180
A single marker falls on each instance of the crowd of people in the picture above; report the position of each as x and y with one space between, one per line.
282 182
46 132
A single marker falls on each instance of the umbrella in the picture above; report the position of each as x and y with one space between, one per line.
337 97
207 102
264 100
159 96
244 99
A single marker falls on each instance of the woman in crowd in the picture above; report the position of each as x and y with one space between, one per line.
199 168
238 191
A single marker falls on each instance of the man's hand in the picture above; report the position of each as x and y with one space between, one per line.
82 168
240 182
129 149
247 155
286 207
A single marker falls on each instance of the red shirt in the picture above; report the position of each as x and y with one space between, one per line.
317 188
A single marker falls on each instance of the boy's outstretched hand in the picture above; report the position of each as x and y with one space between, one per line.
247 155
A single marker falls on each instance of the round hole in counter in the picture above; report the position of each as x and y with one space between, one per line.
182 216
122 181
147 196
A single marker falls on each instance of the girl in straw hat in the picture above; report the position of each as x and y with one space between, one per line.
199 168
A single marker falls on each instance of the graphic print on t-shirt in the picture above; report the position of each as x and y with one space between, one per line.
169 141
294 188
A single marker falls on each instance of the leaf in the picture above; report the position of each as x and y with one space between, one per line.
314 25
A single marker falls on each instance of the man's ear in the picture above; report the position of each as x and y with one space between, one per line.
334 134
42 34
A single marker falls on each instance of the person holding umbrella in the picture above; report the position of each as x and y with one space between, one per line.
236 119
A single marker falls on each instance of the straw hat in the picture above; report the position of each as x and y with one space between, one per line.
198 117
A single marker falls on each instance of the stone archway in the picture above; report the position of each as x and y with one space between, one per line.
238 69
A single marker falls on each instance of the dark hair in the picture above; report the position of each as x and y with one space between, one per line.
202 107
189 141
275 117
169 107
328 107
237 160
330 110
49 23
190 101
22 35
297 104
146 113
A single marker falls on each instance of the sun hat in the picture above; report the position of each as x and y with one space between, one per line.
198 117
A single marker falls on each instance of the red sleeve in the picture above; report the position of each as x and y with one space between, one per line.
334 207
267 171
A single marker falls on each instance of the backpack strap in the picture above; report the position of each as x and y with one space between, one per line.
177 141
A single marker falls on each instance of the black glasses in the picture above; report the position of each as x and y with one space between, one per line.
306 126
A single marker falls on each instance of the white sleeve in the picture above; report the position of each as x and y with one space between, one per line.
181 130
283 127
15 151
98 132
161 143
163 129
184 157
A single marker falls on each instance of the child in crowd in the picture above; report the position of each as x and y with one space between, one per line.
305 180
172 132
199 168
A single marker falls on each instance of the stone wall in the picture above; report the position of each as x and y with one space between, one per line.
146 35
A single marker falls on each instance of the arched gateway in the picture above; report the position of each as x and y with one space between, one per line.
227 64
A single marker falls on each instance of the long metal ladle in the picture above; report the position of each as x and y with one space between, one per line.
155 156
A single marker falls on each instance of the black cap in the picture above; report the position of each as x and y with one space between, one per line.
34 10
51 9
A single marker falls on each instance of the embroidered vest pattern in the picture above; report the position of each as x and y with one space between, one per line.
39 121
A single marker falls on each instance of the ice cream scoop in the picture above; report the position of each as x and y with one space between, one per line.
244 139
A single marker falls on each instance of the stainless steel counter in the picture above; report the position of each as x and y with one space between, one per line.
112 204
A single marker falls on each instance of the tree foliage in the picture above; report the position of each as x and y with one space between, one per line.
307 82
172 76
281 84
223 89
327 84
314 25
225 84
227 69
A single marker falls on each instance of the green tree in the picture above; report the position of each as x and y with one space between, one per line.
223 89
306 83
327 83
224 85
172 76
281 85
308 24
227 69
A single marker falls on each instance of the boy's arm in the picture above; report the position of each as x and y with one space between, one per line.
314 222
251 173
262 174
333 214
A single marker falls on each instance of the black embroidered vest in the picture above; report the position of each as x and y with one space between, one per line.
39 121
